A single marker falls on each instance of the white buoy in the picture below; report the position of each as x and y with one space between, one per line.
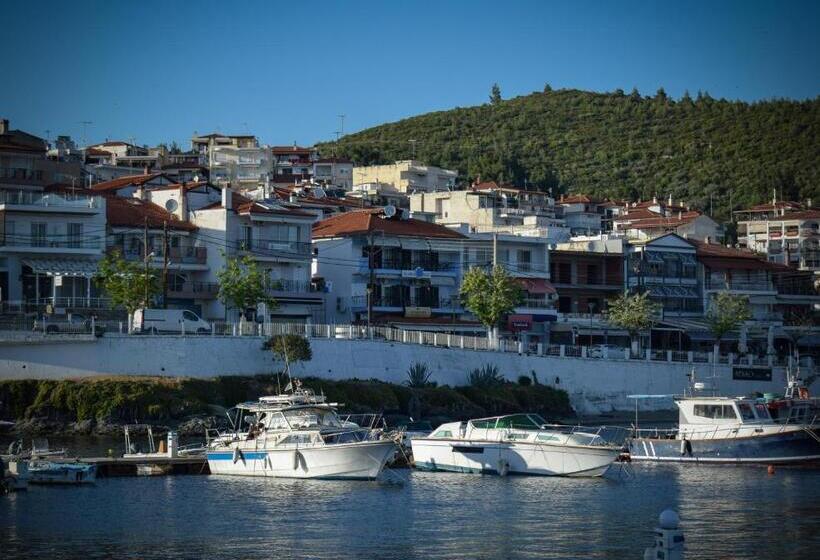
668 538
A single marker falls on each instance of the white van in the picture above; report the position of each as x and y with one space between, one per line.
169 321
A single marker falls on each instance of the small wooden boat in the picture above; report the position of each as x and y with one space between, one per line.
51 472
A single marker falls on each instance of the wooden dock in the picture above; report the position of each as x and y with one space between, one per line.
127 466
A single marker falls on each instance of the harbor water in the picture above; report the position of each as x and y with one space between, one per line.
726 512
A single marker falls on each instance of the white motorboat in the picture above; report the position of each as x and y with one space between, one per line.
51 472
297 435
519 444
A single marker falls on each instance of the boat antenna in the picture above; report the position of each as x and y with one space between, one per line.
287 362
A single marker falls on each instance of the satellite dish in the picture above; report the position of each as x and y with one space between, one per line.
389 211
171 205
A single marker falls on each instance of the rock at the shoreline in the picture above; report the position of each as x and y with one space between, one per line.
196 426
82 427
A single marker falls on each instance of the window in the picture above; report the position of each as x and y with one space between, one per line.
247 237
762 411
746 411
524 260
715 411
38 234
189 316
10 237
443 434
75 235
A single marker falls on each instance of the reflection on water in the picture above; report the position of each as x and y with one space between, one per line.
726 512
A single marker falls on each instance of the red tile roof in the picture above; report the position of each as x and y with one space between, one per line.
767 207
244 205
133 212
802 215
123 182
333 160
714 255
362 222
291 150
639 220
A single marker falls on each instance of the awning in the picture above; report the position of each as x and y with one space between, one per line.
63 267
535 285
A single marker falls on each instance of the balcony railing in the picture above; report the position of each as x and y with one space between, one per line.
177 255
739 286
48 200
413 301
289 286
194 290
401 264
52 241
268 248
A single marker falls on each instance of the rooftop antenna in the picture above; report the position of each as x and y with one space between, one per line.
85 124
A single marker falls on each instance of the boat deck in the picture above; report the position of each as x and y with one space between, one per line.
127 466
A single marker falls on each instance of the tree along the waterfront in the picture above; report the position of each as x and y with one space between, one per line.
242 286
126 283
727 312
634 313
490 296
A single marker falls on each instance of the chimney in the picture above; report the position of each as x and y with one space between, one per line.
182 207
4 126
227 197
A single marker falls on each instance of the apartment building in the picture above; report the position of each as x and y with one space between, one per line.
668 270
235 159
587 274
787 233
334 172
396 270
527 260
277 238
407 177
487 208
648 220
51 233
294 164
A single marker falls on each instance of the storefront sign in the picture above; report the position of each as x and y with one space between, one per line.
519 322
749 373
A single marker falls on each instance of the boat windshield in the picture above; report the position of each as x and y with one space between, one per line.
301 418
517 421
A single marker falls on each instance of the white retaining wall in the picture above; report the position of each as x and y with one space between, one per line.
594 385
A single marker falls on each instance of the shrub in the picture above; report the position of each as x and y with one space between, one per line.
418 376
486 376
524 380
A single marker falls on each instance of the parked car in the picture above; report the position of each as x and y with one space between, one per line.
73 323
597 351
176 321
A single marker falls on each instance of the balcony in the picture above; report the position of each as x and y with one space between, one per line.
46 243
739 286
266 248
441 302
176 255
413 264
194 290
279 285
41 202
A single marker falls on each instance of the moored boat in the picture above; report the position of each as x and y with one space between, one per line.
519 444
736 430
51 472
297 435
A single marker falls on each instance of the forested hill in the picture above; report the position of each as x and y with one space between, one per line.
616 145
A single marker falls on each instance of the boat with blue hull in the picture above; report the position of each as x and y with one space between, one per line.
736 430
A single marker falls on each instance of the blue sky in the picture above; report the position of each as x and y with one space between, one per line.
158 71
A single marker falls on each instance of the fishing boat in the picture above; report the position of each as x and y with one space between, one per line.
297 435
51 472
735 430
519 444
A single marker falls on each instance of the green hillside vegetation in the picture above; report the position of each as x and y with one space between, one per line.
616 145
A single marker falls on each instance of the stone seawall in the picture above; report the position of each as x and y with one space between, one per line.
594 385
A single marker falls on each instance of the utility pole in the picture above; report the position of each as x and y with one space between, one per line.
145 258
165 248
372 281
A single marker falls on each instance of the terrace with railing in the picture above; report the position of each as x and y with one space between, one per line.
57 201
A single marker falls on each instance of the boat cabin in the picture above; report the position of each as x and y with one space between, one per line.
707 412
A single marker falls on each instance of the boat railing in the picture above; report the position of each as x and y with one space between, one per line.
603 436
716 432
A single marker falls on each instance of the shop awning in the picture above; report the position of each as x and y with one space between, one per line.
536 285
63 267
